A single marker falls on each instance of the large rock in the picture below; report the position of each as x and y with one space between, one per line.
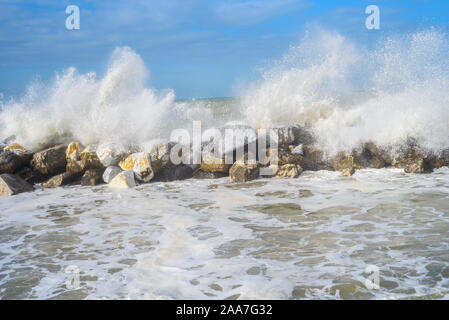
73 151
50 161
140 163
313 159
441 159
124 180
89 153
110 173
92 177
10 162
110 154
24 154
374 157
288 171
80 166
11 184
31 175
292 135
180 172
210 163
242 172
200 174
342 162
414 160
285 156
159 155
61 180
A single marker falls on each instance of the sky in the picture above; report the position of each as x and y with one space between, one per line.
198 48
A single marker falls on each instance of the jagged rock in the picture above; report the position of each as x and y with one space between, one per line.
110 173
50 161
89 153
110 154
373 157
210 163
60 180
313 159
30 175
140 163
80 166
342 162
242 172
160 156
10 162
124 179
286 157
347 172
414 161
11 184
288 171
180 172
24 154
200 174
73 152
92 177
292 135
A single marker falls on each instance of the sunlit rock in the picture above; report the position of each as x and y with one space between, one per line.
124 180
11 184
140 163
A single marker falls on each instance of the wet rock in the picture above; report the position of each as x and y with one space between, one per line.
159 155
293 135
342 162
92 177
413 160
80 166
313 159
110 173
61 180
73 152
285 156
210 163
124 180
242 172
24 154
110 154
89 153
347 172
288 171
441 159
31 175
11 184
374 157
200 174
140 163
50 161
180 172
10 162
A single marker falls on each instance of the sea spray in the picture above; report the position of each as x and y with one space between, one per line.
347 94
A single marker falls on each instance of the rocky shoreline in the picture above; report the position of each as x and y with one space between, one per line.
126 167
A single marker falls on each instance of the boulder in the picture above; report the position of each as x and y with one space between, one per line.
110 154
200 174
180 172
92 177
140 163
61 180
414 160
292 135
313 159
10 162
80 166
30 175
374 157
242 172
50 161
73 152
159 155
288 171
110 173
210 163
89 153
24 154
124 179
347 172
342 162
11 184
285 156
441 159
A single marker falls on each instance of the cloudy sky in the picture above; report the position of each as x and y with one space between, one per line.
198 48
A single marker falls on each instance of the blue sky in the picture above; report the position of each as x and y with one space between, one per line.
198 48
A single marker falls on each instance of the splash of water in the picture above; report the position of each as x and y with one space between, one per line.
347 94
